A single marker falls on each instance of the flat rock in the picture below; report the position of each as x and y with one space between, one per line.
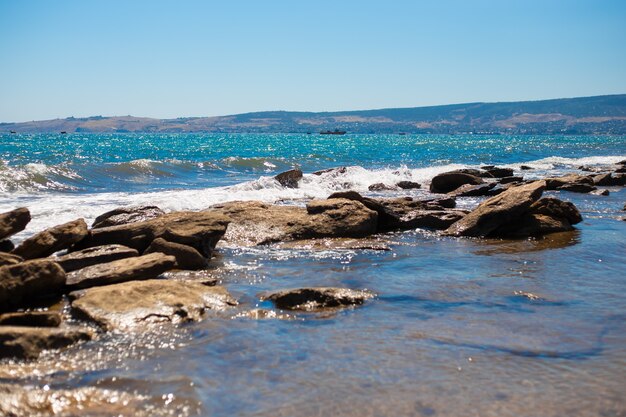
95 255
450 181
289 178
498 211
31 319
254 222
29 342
408 185
52 240
508 180
28 280
200 230
9 259
125 215
13 221
577 188
133 305
317 298
186 256
471 190
570 180
122 270
554 207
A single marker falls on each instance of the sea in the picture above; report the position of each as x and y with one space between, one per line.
458 327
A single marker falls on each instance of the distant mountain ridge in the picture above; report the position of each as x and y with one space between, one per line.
581 115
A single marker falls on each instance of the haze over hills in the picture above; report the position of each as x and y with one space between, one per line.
582 115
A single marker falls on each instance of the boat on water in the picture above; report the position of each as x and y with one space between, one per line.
63 132
333 132
13 132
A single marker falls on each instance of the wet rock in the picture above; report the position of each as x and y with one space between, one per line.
92 256
333 171
610 180
429 219
497 172
254 222
52 240
470 190
289 178
29 342
620 170
498 211
525 168
477 172
603 192
125 215
13 221
32 319
531 224
312 299
186 256
554 207
263 314
387 219
408 185
137 303
200 230
6 245
9 259
577 188
122 270
570 180
28 280
508 180
379 186
336 243
450 181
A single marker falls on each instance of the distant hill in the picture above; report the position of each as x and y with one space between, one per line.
583 115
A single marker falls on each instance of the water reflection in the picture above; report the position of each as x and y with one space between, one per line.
507 246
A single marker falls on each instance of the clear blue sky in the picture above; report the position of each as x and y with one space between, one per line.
202 58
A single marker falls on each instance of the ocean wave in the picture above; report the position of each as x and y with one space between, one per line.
37 177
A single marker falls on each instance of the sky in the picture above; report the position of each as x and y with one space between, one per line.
169 59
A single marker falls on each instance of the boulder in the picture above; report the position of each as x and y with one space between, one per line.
450 181
470 190
6 245
379 186
125 215
200 230
255 223
610 180
554 207
31 319
531 224
9 259
319 298
28 280
186 256
13 221
508 180
95 255
497 172
29 342
289 178
408 185
135 304
122 270
387 219
498 211
52 240
570 180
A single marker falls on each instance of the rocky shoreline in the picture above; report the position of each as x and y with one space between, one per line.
116 276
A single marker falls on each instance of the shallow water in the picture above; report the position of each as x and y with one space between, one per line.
458 327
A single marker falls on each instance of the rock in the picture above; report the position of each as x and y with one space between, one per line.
255 223
28 280
498 211
476 172
32 319
554 207
508 180
387 219
603 192
9 259
13 221
470 190
577 188
122 270
567 180
6 245
95 255
333 171
186 256
408 185
125 215
135 304
29 342
200 230
379 186
450 181
500 172
430 219
289 178
312 299
610 180
525 168
620 170
52 240
533 225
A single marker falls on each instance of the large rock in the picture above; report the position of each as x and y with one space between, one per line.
610 180
28 280
200 230
122 270
9 259
572 182
138 303
289 178
52 240
255 223
317 298
497 211
532 224
408 185
498 172
29 342
125 215
186 256
13 221
450 181
387 219
554 207
31 319
93 256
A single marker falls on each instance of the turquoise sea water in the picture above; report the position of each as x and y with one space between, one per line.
450 333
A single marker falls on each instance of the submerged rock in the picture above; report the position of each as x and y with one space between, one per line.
312 299
450 181
28 280
9 259
52 240
31 318
29 342
289 178
13 221
95 255
137 303
125 215
128 269
186 256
